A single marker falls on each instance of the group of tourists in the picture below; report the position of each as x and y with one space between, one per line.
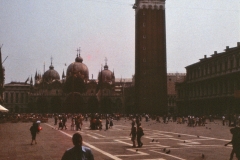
231 120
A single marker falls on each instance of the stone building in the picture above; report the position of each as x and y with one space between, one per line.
150 57
16 96
172 79
2 77
75 92
212 84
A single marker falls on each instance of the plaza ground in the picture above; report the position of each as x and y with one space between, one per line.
184 143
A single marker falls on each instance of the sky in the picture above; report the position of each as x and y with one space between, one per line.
34 31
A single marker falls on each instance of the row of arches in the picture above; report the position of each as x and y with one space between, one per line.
76 103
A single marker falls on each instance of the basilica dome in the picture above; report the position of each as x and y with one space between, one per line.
78 69
106 76
51 74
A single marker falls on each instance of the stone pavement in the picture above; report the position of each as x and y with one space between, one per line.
184 143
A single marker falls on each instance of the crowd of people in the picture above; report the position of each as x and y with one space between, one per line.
95 119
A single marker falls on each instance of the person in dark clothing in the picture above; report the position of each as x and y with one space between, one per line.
139 135
34 130
235 142
107 123
78 152
133 134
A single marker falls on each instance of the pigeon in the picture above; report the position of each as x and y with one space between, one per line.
168 151
209 128
198 136
203 155
164 149
183 141
153 140
179 135
136 150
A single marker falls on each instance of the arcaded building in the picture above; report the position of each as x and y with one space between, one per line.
212 84
150 57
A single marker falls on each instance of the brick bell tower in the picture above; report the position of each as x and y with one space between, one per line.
150 57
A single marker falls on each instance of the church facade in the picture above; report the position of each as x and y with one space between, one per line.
75 92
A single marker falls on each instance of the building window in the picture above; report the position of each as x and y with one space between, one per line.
17 97
215 68
226 65
11 97
220 67
237 62
231 64
22 97
6 97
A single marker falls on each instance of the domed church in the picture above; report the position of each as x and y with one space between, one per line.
75 92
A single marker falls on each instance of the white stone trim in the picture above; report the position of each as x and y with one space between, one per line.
153 4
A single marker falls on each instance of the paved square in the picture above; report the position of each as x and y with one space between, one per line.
183 142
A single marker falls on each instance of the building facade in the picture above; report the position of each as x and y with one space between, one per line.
2 77
212 84
76 92
172 79
150 57
16 96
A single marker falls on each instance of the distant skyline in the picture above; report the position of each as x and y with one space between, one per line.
34 31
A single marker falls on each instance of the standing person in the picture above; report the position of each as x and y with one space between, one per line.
223 120
111 123
107 122
64 120
78 151
60 124
139 135
235 142
78 123
133 134
55 119
34 130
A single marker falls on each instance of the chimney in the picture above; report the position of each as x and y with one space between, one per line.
227 47
205 56
238 44
215 52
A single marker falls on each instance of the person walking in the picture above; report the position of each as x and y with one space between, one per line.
133 134
79 151
34 130
139 135
235 142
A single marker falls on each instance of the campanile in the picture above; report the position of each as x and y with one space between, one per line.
150 57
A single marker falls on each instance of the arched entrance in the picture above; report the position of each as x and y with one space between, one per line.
42 105
74 103
56 105
106 105
118 106
93 105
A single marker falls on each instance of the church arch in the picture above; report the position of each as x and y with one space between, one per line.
74 103
56 105
93 105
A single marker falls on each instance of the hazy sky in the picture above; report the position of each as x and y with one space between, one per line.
32 31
